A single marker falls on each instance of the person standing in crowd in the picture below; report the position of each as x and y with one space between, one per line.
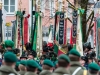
76 68
39 70
22 67
16 66
63 65
47 67
94 69
82 62
9 45
99 62
7 68
23 57
30 56
32 67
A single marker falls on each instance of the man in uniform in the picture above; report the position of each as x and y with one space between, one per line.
22 67
94 69
39 70
47 67
9 64
16 66
23 57
9 45
32 67
63 65
30 56
75 67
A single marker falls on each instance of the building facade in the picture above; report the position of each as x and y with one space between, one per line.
48 8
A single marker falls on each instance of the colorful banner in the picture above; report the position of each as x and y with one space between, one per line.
61 28
26 29
79 44
39 34
51 34
34 46
74 32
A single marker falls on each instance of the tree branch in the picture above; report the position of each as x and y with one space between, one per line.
90 27
72 6
89 31
69 20
92 13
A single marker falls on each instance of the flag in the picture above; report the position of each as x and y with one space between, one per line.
50 40
39 34
56 29
34 46
26 29
57 49
79 45
17 35
61 51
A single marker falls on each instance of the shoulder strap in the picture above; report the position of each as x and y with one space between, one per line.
85 72
76 70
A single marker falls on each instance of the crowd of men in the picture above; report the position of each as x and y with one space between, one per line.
71 63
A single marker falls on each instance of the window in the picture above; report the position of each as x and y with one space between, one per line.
10 6
8 34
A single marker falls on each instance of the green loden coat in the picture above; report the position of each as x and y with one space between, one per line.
74 65
93 74
7 70
30 73
61 71
45 72
22 72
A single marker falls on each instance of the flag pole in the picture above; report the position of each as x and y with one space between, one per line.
39 27
57 5
1 33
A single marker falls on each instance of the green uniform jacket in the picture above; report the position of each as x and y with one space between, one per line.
74 66
22 72
30 73
93 74
7 70
61 71
45 72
